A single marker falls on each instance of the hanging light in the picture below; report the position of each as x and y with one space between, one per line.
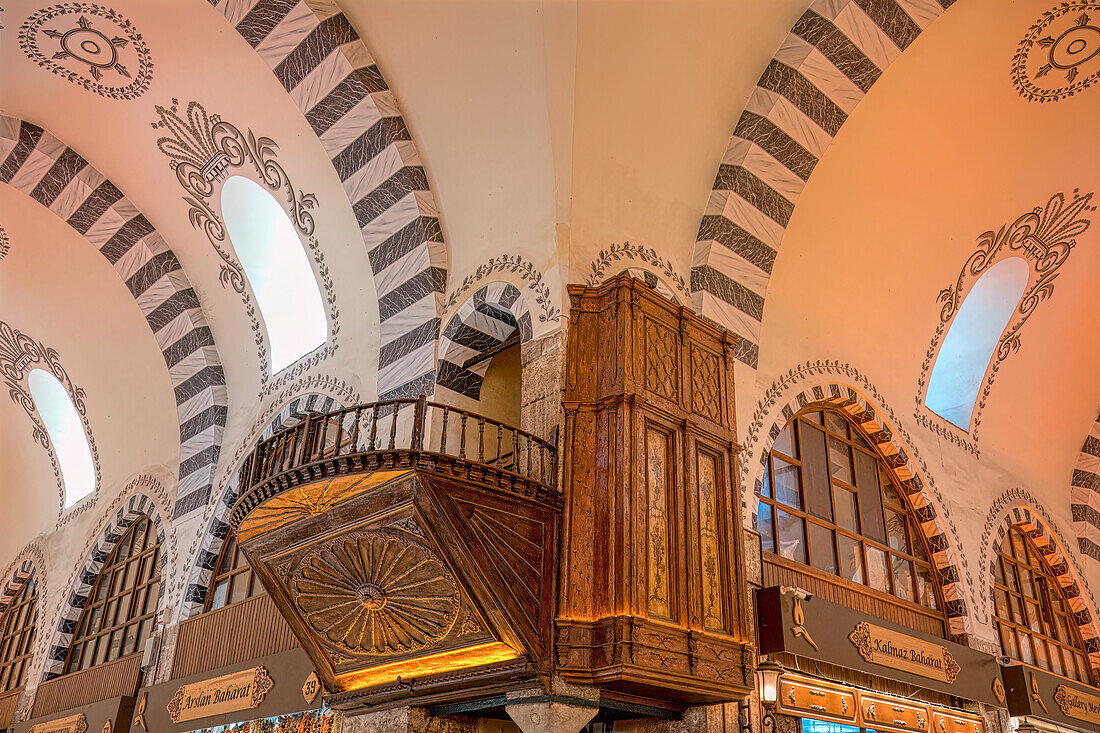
768 673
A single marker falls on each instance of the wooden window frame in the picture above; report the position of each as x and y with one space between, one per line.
238 571
17 630
1049 600
917 556
103 619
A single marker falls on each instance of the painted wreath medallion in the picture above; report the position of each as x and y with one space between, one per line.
90 45
1060 55
376 594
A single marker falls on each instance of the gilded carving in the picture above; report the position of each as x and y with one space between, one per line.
706 395
657 547
708 543
662 361
375 594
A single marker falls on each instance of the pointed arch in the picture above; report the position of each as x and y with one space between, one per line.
833 55
859 403
135 507
1035 528
481 326
38 164
319 58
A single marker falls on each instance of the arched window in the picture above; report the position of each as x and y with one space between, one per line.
277 269
828 501
119 614
964 357
17 636
233 577
66 432
1034 622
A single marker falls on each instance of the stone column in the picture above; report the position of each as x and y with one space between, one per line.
411 720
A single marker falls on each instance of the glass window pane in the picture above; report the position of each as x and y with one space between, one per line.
765 491
786 483
1017 610
785 443
815 472
1041 659
903 579
835 423
895 531
1055 659
1025 649
1027 584
1035 620
926 589
851 558
822 553
847 509
998 572
238 590
889 491
870 496
877 574
1008 642
792 543
1010 577
840 460
1000 603
763 526
814 417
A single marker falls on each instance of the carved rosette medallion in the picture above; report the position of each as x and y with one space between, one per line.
375 594
1060 55
89 45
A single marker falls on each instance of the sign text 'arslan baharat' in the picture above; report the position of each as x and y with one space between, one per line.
227 694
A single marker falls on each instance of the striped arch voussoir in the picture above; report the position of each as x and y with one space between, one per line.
1084 494
836 51
856 406
319 59
55 175
1024 519
131 510
202 571
14 583
481 325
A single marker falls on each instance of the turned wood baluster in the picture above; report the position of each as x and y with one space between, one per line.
393 425
462 438
481 440
355 430
443 432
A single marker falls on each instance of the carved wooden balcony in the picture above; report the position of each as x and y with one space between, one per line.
409 545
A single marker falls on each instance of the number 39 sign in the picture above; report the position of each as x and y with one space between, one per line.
311 687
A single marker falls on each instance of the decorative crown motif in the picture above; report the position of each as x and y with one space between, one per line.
191 141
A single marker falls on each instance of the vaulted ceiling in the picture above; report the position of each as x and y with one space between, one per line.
540 135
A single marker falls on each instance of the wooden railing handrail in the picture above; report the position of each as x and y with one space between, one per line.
404 424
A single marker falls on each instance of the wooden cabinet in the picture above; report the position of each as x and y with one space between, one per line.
652 594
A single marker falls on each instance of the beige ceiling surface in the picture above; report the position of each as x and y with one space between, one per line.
57 290
941 150
550 130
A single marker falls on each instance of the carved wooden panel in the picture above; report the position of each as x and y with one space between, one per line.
653 597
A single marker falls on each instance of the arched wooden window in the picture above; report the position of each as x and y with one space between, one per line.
828 501
1034 622
234 580
17 635
120 612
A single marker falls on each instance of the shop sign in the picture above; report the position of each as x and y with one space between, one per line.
226 694
792 621
72 724
1077 704
890 648
808 697
1051 697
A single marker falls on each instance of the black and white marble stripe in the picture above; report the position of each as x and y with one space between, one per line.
14 584
1084 494
1032 526
481 324
202 572
131 510
40 165
833 55
887 441
326 69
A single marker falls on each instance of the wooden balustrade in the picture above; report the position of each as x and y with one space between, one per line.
113 679
401 433
236 633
